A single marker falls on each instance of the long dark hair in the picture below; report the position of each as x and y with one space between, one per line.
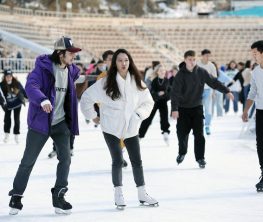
55 56
111 85
5 87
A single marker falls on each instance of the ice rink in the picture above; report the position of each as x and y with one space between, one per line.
223 191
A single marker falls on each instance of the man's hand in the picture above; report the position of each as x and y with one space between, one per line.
96 120
47 108
175 115
230 96
245 116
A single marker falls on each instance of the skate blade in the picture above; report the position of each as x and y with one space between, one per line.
143 203
260 190
120 207
13 211
62 212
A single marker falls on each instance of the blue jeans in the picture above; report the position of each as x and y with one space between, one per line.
218 103
207 103
235 102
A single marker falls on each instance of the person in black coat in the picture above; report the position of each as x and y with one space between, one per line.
187 108
160 90
14 95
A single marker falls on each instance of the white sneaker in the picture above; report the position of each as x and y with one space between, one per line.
16 138
118 198
6 137
166 138
145 198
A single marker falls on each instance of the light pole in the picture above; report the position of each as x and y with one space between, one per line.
145 7
57 7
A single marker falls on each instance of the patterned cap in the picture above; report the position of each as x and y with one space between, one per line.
65 43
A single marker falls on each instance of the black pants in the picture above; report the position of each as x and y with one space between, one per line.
259 135
163 109
191 118
7 121
35 141
133 148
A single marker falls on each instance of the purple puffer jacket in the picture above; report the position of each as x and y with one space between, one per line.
40 86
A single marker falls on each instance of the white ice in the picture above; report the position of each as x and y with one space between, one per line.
223 191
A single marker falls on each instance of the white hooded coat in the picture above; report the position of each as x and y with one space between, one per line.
121 117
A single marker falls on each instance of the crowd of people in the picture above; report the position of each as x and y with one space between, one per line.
114 94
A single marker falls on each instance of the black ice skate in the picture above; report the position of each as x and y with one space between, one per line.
52 154
201 163
15 204
59 202
180 159
259 185
124 163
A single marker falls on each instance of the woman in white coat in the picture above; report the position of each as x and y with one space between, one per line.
124 102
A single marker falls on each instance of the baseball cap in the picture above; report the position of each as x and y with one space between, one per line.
65 43
8 72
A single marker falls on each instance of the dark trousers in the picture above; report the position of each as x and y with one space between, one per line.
191 118
259 135
34 144
7 120
133 148
163 109
71 143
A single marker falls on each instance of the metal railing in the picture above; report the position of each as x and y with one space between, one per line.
23 65
17 65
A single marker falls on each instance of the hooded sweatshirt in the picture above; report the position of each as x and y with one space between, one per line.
40 86
188 87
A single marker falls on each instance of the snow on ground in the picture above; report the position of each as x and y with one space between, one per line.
224 191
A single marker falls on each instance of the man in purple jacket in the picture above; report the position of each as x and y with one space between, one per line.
52 113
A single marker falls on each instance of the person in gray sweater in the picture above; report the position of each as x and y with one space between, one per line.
256 95
187 108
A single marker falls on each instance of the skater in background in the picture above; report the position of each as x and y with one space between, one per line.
124 102
206 64
160 90
14 94
53 112
231 71
217 99
187 109
256 94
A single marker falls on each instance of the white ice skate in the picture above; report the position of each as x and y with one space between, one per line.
13 211
6 138
16 139
145 199
166 138
119 199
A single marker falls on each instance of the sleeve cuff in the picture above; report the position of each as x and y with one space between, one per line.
45 102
